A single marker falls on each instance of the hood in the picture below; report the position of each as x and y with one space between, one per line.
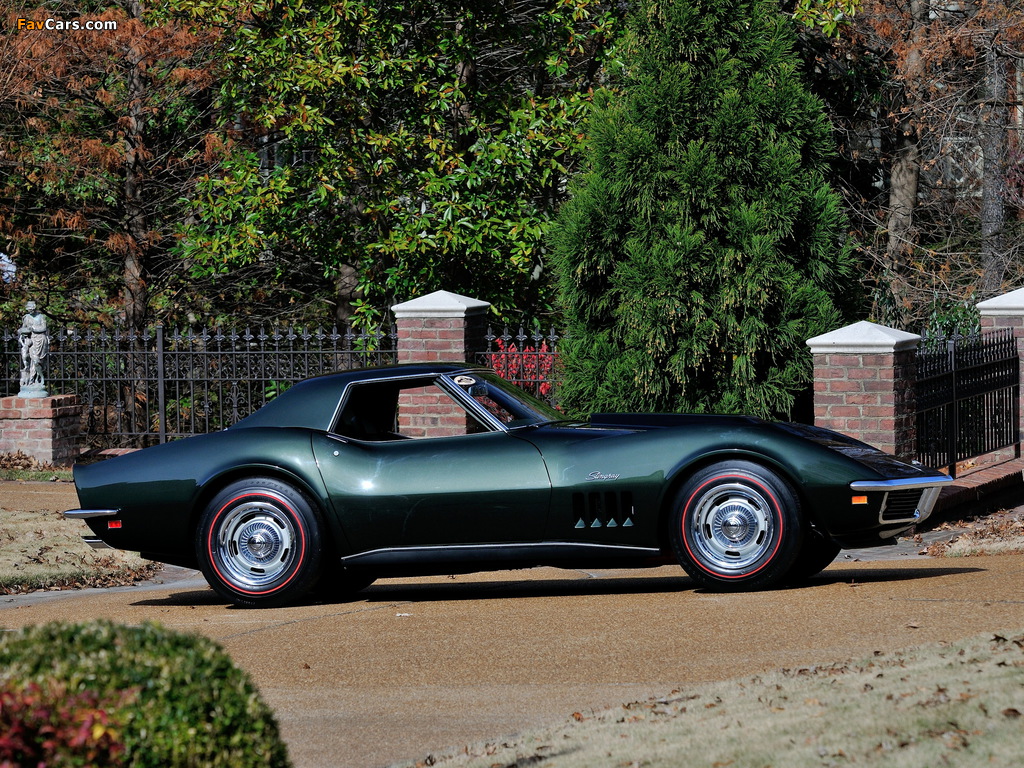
663 420
885 464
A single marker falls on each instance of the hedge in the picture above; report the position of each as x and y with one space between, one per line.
164 699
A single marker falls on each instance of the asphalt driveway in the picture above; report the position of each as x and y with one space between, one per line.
416 666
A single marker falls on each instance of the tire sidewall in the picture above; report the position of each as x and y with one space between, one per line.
304 568
787 528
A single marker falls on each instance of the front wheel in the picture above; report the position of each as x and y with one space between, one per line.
259 543
736 525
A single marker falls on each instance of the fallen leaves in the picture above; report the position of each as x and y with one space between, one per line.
1001 532
19 460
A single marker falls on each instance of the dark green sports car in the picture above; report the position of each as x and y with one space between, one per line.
446 468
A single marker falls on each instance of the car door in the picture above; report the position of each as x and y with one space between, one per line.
449 486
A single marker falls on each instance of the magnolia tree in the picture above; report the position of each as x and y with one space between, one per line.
402 147
702 246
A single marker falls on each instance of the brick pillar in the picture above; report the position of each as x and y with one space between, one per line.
440 327
1000 313
45 428
864 377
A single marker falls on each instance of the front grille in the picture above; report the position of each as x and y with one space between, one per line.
901 506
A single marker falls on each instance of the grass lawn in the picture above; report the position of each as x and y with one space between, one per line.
39 549
955 705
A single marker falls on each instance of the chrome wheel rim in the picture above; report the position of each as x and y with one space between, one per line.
255 544
732 528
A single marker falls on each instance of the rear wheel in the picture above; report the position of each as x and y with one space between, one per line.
259 543
736 525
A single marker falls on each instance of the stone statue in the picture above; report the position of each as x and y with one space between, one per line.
34 346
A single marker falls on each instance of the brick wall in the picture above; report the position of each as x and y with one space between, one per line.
438 339
864 378
440 327
45 428
429 412
870 397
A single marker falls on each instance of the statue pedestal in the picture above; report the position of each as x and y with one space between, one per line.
45 428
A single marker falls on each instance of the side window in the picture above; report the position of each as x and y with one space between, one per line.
369 413
402 410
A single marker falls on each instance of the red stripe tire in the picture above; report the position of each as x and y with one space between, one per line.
736 525
259 543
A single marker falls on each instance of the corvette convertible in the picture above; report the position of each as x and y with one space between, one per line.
447 468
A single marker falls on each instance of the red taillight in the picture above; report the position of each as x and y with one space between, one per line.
113 524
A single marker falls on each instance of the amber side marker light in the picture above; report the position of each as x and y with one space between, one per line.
859 500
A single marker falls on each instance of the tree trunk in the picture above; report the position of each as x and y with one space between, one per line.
135 293
903 184
347 290
462 111
993 135
906 168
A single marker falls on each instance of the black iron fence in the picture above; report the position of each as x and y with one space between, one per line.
527 360
145 388
140 389
968 397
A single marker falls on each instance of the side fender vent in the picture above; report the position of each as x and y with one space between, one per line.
603 509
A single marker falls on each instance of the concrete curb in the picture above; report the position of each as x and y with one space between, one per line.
981 483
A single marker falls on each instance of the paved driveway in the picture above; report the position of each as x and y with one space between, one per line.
420 665
415 666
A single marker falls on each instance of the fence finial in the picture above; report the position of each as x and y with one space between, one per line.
34 346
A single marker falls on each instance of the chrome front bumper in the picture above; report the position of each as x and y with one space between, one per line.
895 508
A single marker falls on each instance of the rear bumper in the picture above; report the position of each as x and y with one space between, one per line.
86 514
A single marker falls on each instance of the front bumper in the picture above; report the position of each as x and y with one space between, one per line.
905 501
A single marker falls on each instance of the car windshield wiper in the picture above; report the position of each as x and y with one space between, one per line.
555 422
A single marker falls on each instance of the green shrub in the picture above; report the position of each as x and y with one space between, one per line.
177 699
44 725
702 245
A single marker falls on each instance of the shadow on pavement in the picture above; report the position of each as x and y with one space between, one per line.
193 598
432 590
489 590
839 575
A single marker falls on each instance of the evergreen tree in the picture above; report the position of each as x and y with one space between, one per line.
702 246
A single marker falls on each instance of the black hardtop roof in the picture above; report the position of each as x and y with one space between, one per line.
398 371
312 403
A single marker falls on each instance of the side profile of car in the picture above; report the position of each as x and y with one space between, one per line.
447 468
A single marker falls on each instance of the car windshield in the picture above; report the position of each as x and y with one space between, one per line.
505 402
